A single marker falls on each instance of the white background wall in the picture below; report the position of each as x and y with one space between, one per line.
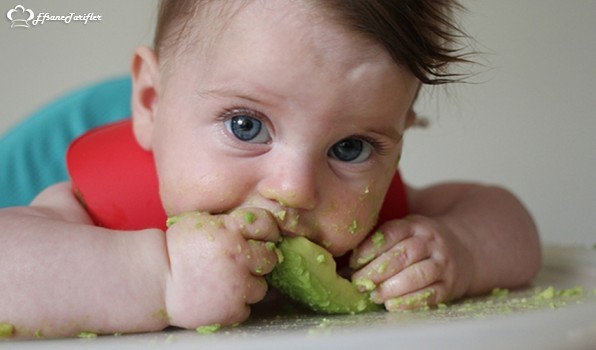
527 123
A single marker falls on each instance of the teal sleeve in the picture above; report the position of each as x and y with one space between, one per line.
32 154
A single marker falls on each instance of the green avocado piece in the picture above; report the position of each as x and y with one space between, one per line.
308 275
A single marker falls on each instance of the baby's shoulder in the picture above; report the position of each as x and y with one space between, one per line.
61 202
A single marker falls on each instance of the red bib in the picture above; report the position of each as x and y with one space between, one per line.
117 182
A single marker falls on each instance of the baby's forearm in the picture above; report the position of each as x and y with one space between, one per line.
60 278
492 225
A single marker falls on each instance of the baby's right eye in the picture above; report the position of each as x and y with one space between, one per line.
247 128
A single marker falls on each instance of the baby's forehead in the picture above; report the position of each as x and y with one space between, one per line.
423 36
204 31
201 26
252 41
280 31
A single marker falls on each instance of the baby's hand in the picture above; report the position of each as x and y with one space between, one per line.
217 263
414 263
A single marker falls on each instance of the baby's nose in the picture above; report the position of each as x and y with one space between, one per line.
292 183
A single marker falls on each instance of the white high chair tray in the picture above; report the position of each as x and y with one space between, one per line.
537 317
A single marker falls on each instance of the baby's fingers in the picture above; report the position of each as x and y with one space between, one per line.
418 300
384 239
393 261
261 257
414 278
256 288
260 230
253 223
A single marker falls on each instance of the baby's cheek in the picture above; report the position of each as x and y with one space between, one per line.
179 196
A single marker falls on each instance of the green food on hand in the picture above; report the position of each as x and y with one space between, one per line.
308 275
250 217
208 329
499 292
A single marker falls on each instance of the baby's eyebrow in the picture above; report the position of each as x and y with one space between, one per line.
391 133
220 93
251 95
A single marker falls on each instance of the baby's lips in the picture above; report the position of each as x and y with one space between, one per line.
288 233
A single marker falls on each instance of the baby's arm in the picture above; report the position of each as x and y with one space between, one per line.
463 239
60 275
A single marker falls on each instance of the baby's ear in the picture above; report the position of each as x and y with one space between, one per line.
145 80
413 120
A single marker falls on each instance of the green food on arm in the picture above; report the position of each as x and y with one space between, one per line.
172 220
6 330
308 275
87 335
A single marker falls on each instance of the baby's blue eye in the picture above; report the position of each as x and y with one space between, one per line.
352 150
248 129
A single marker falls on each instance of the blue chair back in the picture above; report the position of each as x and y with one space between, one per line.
32 154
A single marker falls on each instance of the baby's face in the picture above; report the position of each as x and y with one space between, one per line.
288 112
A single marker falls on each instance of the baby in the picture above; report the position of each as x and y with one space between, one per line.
266 119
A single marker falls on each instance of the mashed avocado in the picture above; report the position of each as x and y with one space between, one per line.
6 330
87 335
208 329
308 275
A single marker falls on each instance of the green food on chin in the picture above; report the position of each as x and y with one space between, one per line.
308 275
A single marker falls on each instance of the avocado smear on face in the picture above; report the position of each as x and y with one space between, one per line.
311 280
